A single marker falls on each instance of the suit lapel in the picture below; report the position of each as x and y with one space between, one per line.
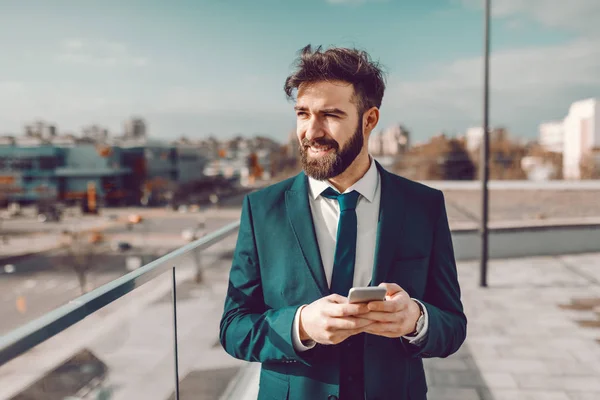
392 212
300 216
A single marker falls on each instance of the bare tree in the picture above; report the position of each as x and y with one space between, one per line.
81 253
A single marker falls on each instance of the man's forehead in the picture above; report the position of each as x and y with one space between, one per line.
325 94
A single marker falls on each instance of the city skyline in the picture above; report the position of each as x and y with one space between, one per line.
218 67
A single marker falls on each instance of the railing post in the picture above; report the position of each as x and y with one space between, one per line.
176 351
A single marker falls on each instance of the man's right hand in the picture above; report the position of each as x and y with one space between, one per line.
331 320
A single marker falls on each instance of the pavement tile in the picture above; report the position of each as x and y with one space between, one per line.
510 394
448 364
514 365
533 352
499 380
583 395
570 367
466 379
557 382
450 393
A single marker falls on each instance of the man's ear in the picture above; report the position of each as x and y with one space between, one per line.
370 120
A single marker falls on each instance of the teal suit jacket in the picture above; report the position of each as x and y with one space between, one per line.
277 268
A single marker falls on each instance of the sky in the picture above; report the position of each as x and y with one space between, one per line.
200 67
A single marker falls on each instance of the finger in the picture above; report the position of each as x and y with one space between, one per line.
378 316
386 306
342 335
352 332
402 296
345 310
334 324
336 298
384 329
391 288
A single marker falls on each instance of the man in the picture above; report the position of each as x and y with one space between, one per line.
343 222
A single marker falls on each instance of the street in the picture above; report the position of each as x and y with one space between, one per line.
42 281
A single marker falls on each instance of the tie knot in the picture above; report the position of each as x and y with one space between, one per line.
347 201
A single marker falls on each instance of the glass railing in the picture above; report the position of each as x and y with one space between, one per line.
145 335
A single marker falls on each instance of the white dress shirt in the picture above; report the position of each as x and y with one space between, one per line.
325 215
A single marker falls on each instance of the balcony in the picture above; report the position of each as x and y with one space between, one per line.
153 333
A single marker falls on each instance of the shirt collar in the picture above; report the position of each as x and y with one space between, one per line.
366 186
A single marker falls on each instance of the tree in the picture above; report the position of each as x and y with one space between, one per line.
442 158
590 164
504 158
81 253
457 164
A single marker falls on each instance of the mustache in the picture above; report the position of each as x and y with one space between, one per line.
320 142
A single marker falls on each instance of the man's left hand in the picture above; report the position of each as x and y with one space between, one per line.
395 317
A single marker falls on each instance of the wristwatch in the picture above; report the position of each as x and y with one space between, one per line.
420 322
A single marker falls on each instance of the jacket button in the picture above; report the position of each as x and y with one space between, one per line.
332 397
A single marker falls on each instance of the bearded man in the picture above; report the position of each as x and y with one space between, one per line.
343 222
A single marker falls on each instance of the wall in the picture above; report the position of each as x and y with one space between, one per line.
528 241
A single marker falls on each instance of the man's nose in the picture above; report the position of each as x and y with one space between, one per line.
314 129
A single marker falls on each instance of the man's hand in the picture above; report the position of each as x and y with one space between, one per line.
395 317
331 320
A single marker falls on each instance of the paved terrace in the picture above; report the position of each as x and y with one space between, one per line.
521 345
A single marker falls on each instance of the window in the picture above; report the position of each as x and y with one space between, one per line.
48 162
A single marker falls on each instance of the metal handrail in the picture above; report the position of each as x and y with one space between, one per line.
39 330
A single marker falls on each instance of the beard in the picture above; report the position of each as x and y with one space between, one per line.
334 163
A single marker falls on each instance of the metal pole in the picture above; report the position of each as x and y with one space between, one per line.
174 293
485 149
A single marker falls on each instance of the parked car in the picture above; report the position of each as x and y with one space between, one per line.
49 213
121 246
49 216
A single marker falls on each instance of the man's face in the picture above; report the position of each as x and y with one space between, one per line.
328 128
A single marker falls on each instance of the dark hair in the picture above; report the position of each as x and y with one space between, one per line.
341 64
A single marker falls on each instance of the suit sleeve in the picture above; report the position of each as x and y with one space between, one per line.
447 322
249 330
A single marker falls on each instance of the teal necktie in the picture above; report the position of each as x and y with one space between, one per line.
345 246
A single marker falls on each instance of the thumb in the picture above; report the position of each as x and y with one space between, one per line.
391 288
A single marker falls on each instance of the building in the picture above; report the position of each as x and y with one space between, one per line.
581 135
474 137
390 142
135 128
41 129
375 143
117 175
394 140
27 173
191 162
96 167
539 169
552 136
96 133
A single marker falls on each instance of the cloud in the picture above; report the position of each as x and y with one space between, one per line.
527 87
98 53
574 15
528 84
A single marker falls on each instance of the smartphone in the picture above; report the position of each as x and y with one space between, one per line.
366 294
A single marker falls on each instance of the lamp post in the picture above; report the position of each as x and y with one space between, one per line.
485 149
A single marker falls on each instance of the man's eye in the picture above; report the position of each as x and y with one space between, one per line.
331 115
301 114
